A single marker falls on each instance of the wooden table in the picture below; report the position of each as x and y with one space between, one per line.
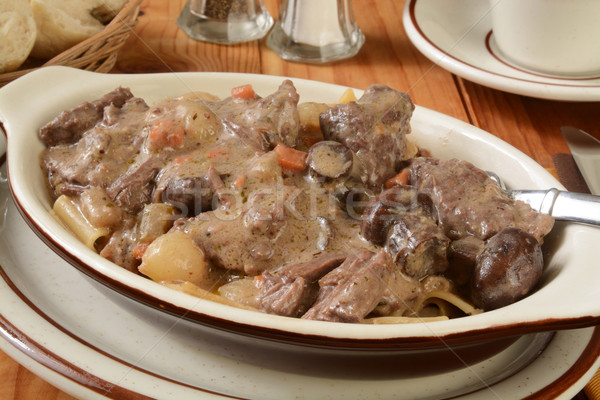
387 57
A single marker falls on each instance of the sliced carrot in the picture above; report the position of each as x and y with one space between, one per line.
165 133
239 181
139 250
399 179
245 92
290 158
181 160
215 152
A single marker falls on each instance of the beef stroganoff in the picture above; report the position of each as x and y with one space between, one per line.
309 210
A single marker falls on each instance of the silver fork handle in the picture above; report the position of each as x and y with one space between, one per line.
578 207
562 205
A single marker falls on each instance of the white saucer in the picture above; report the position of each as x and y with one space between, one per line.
457 35
58 325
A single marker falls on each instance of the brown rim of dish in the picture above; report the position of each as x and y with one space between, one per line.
3 133
412 4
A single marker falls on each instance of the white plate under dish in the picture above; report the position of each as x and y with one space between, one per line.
568 296
58 325
457 35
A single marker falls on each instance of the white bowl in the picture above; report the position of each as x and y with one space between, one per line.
568 296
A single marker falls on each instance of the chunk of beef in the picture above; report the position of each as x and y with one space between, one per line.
133 189
374 128
293 289
116 112
289 298
344 272
101 155
260 234
401 296
120 248
355 297
469 202
191 191
315 268
190 195
68 167
188 184
69 126
263 123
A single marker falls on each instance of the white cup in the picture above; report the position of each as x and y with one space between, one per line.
558 37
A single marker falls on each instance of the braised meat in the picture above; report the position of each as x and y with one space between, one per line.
263 122
90 161
469 202
353 291
69 126
374 128
293 289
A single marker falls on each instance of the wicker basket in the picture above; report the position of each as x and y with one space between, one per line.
97 53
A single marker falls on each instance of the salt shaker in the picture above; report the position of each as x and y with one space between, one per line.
315 31
225 21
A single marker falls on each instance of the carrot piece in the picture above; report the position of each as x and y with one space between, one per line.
165 133
245 92
239 181
216 152
290 158
399 179
181 160
139 250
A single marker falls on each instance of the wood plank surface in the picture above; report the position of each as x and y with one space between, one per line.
532 125
388 57
19 383
158 45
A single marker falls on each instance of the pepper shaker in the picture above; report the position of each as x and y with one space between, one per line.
225 21
315 31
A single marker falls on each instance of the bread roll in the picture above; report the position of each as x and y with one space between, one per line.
17 33
62 24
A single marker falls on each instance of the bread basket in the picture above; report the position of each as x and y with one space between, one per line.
97 53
